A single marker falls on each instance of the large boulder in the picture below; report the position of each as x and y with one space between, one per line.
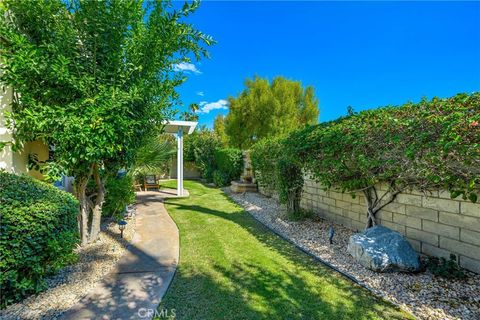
381 249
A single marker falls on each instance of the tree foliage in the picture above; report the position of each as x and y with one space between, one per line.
93 78
430 145
267 109
153 156
229 166
120 193
219 128
191 114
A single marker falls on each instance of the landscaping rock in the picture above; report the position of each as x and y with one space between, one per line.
381 249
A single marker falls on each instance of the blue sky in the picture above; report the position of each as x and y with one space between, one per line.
363 54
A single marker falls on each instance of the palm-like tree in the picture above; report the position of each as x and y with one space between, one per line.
194 107
188 116
153 156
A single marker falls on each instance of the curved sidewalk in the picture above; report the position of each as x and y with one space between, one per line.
135 287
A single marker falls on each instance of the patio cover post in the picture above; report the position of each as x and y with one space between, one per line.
180 162
179 128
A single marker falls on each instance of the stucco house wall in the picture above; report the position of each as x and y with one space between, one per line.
16 162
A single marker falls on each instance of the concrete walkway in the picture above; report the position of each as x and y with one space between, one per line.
135 287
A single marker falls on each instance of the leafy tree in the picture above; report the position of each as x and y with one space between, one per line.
188 116
267 109
93 78
153 156
219 128
191 114
194 107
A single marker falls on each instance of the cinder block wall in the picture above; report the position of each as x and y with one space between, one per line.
435 225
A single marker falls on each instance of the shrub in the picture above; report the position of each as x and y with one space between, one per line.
119 193
38 234
426 146
229 163
445 268
278 169
264 155
220 179
430 145
200 147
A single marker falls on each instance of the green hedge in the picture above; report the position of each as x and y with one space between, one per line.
200 148
278 169
119 194
264 155
38 234
430 145
229 164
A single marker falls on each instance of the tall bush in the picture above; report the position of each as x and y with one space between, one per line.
200 147
278 168
229 165
264 155
427 146
119 194
38 234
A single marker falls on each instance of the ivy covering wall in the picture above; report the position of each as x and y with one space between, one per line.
430 145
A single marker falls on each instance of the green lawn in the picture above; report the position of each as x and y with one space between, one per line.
231 267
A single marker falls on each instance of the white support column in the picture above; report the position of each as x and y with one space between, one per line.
180 162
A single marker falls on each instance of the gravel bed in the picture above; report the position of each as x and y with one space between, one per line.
73 282
422 294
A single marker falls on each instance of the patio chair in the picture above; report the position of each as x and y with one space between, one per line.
151 181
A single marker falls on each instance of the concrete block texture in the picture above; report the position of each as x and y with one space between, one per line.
469 236
463 248
441 229
470 209
423 236
422 213
433 223
459 220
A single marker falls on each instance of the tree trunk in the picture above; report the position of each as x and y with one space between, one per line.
97 208
83 210
371 199
293 201
375 203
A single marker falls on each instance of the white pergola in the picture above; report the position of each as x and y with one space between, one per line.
179 128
